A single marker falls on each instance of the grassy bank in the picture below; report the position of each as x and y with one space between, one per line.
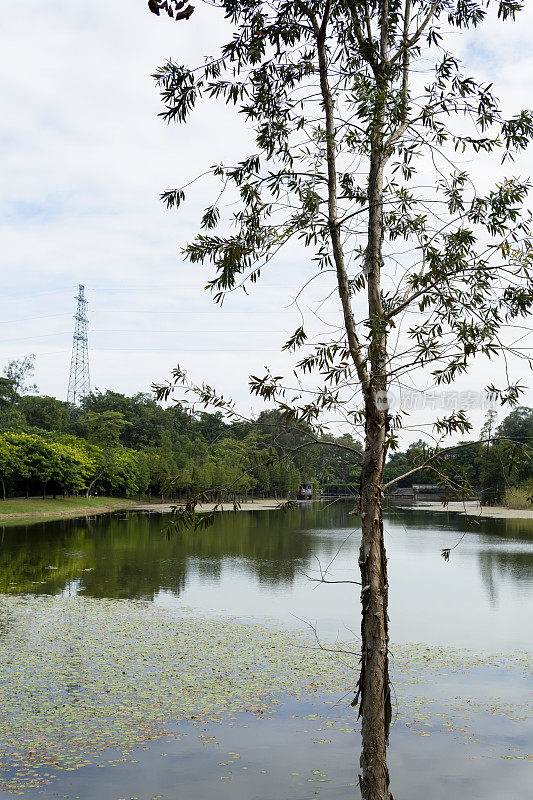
37 510
519 497
34 509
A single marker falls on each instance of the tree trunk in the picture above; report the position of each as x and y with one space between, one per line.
3 489
373 689
374 686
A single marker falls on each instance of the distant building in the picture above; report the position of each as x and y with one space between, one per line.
306 491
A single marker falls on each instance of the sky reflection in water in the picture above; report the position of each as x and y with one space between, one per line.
255 565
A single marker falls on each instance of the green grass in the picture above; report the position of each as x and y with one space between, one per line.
68 506
519 496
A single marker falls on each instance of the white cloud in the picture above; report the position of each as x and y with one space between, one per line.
84 158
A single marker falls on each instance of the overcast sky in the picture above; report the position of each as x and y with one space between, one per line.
84 158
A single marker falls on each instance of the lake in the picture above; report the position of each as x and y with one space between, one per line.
90 591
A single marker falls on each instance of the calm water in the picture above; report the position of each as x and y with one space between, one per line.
257 566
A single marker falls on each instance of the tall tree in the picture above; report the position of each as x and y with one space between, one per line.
355 141
8 393
104 430
46 413
8 462
19 372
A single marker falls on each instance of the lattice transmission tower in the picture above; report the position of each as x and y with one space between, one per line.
79 383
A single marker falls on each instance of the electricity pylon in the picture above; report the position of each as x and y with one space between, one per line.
79 384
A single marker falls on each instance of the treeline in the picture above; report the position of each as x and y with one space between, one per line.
129 446
498 470
33 462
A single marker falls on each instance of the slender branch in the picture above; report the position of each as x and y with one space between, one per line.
276 425
366 47
325 18
446 450
338 255
418 33
400 130
411 298
324 580
367 22
393 138
405 69
384 28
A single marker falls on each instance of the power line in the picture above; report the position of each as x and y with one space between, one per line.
168 350
158 312
142 332
29 319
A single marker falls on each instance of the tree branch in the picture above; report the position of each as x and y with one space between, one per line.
417 34
338 255
449 450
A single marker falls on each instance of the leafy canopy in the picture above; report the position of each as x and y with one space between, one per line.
455 256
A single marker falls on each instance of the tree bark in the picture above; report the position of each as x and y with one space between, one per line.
373 688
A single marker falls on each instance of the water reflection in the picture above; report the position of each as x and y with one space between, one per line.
128 556
256 563
516 566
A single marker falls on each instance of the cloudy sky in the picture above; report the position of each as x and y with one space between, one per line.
84 157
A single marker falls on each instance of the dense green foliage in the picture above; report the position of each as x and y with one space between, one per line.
496 468
129 445
125 446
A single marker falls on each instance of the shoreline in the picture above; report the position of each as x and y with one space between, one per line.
267 504
474 509
66 509
63 509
